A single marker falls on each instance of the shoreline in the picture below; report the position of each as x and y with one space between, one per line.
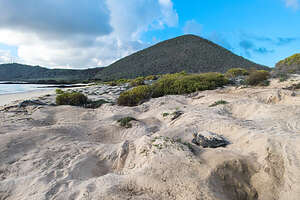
6 99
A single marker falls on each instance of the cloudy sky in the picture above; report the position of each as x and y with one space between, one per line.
90 33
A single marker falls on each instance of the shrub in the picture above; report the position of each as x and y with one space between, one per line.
59 91
135 96
172 84
138 81
165 114
151 78
111 83
258 77
180 83
293 87
235 72
283 77
220 102
125 122
122 81
117 82
71 98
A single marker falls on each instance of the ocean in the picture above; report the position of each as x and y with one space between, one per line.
19 88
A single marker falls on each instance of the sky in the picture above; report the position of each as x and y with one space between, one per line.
94 33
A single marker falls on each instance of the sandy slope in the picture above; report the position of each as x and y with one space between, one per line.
74 153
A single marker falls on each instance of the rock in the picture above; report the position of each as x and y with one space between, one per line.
176 114
31 103
208 139
239 80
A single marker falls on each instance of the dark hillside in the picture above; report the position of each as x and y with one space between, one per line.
19 72
190 53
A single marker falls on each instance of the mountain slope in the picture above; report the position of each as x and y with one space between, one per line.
189 53
19 72
289 65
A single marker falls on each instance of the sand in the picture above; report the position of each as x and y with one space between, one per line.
8 98
66 152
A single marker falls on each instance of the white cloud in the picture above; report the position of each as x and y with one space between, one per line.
90 33
192 27
5 56
294 4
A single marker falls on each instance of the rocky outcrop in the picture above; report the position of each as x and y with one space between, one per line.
208 139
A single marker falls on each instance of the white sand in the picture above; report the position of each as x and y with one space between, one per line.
8 98
74 153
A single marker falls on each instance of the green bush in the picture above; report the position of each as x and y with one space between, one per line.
235 72
151 78
283 76
258 77
111 83
165 114
71 98
180 83
59 91
138 81
135 96
173 84
125 122
117 82
220 102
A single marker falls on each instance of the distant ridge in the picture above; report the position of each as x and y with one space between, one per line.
19 72
190 53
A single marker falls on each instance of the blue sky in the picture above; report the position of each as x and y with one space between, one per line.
61 33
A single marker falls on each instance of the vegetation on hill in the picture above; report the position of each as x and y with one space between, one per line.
294 59
188 53
138 81
37 74
289 65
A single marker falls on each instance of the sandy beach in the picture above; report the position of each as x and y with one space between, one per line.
9 98
65 152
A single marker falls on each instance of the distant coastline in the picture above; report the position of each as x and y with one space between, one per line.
48 85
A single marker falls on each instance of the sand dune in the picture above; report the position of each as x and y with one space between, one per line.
66 152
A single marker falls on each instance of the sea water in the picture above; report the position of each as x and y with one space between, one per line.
17 88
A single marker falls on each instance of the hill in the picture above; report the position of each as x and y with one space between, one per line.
190 53
19 72
289 65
